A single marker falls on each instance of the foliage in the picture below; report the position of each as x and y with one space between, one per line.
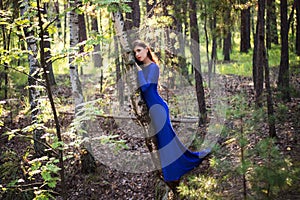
273 173
200 187
248 159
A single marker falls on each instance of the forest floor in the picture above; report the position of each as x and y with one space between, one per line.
109 183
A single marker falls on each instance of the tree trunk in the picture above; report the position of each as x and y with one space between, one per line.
58 20
195 49
259 54
120 85
298 27
227 39
272 35
227 46
271 118
283 76
97 58
88 162
133 18
6 36
136 14
245 29
179 20
34 94
82 31
50 97
207 45
74 76
214 42
47 46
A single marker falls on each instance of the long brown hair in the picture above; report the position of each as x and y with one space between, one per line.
150 54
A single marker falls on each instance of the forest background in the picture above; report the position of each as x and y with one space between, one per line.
65 68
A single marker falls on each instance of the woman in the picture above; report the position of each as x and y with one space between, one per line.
175 158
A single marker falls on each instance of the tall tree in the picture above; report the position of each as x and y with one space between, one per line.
97 58
47 46
227 34
270 107
33 82
245 28
259 55
180 17
5 40
195 49
45 68
272 35
88 162
283 76
133 18
213 27
297 4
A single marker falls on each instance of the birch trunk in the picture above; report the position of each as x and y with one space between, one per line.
34 75
87 160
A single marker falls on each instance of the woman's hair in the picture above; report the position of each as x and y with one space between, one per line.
150 54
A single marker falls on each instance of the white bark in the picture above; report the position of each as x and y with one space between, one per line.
74 76
88 162
34 74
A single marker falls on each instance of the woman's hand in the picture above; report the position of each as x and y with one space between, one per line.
138 67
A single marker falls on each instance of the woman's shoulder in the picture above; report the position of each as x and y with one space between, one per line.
154 65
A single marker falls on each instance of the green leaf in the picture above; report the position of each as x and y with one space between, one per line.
52 184
11 136
53 168
46 175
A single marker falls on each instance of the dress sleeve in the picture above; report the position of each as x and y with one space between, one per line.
150 77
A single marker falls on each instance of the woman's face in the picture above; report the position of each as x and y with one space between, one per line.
140 53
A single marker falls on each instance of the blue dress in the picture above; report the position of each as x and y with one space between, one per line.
175 158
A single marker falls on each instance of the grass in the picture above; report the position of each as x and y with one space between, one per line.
241 63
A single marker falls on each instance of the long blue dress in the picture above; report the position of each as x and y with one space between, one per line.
175 158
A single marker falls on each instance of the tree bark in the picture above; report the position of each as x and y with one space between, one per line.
97 58
82 31
88 161
271 118
214 42
6 37
259 54
272 35
132 21
283 76
227 39
298 27
34 93
179 20
133 18
195 49
47 46
44 66
245 29
227 46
